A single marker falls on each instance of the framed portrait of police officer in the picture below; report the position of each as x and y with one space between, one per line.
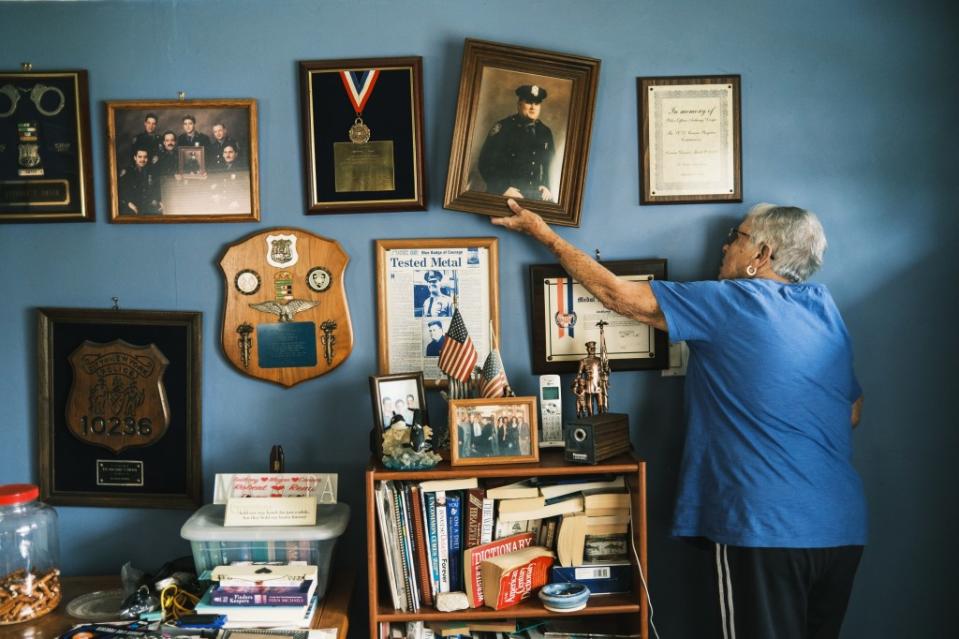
522 131
363 135
421 284
119 407
45 168
183 161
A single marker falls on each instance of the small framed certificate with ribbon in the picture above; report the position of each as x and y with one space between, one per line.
363 135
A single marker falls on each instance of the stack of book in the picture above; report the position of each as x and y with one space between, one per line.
436 534
262 595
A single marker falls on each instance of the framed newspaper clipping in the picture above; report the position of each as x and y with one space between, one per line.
45 170
119 408
690 140
565 317
419 281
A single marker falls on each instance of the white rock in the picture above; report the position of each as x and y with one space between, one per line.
451 601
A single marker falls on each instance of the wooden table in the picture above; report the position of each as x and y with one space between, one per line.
332 612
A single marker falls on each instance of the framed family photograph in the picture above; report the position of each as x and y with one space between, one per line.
46 174
566 318
498 430
183 161
399 411
523 123
690 140
119 410
363 135
419 283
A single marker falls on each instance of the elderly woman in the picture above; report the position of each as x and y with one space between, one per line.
771 396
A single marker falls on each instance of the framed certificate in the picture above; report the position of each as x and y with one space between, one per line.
565 317
690 140
45 169
119 411
363 135
419 282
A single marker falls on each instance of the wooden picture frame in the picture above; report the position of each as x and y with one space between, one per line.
363 134
487 163
690 139
417 281
392 389
564 315
488 449
46 172
119 408
197 161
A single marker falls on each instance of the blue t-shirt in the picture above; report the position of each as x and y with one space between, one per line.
769 393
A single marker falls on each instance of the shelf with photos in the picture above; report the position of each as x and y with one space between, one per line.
487 505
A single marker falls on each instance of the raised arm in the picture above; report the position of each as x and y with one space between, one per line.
630 299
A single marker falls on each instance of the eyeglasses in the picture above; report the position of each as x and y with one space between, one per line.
734 234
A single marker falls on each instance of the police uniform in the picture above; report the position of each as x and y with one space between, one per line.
149 141
518 151
197 139
216 148
139 187
167 163
438 305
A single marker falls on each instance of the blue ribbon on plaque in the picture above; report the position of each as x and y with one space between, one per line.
286 344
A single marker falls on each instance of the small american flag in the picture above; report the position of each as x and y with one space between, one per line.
494 376
458 356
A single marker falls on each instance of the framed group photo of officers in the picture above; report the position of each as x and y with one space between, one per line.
363 135
522 131
45 169
499 430
183 161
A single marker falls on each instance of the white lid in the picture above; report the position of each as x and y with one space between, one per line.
206 524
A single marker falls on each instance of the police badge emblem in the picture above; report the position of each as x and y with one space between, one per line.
118 399
281 250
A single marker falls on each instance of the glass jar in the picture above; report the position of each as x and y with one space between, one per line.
29 555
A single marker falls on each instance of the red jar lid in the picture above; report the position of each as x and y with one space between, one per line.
18 494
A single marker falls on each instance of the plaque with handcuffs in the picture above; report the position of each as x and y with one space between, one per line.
286 317
45 166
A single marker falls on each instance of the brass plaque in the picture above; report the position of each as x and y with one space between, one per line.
363 167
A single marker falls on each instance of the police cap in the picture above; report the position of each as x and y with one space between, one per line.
433 276
532 93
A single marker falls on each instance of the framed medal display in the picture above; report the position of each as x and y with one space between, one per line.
363 135
119 411
523 125
183 161
45 169
566 317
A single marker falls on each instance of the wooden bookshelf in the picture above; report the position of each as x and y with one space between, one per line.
631 605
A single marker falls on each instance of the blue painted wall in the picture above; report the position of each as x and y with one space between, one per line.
848 109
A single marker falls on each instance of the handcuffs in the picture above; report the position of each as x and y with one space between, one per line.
36 95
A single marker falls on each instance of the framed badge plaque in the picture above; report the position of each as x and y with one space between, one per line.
565 317
285 318
45 168
363 135
119 411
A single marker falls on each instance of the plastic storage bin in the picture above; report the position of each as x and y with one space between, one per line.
214 544
29 555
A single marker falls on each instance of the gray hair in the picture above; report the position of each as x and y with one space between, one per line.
794 236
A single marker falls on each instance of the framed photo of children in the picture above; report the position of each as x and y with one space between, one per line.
45 169
363 135
523 124
690 139
500 430
400 415
183 161
420 285
566 319
119 408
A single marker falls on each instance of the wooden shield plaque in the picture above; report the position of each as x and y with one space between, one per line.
117 399
286 318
